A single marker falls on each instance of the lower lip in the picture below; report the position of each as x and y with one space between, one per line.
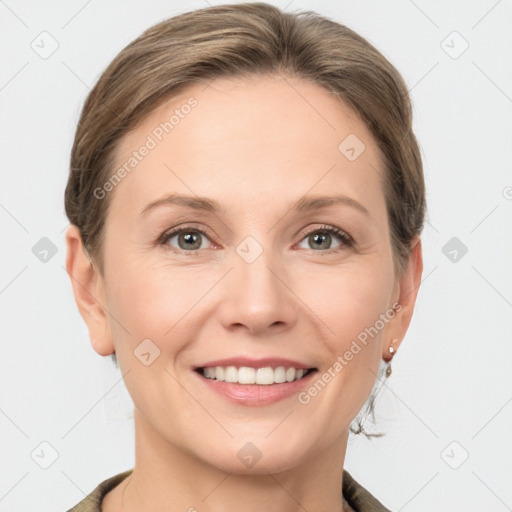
256 394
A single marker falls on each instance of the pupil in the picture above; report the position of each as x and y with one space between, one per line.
321 238
190 238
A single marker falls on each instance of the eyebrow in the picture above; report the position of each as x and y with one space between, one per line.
305 204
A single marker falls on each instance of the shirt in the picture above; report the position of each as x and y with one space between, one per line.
355 497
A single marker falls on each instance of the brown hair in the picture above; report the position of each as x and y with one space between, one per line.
243 40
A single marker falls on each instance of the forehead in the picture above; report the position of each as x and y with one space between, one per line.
248 139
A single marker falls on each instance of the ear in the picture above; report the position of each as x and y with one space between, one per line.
88 288
405 298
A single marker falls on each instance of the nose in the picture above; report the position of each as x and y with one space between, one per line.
257 298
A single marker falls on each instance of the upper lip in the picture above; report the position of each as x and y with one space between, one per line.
263 362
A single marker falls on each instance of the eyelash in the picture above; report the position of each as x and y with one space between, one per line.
346 240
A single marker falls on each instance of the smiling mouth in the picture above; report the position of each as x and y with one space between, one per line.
246 375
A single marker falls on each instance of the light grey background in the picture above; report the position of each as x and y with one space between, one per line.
450 394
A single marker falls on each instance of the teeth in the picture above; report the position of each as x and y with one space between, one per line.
219 373
230 374
247 375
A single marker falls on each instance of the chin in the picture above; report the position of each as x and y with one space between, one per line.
255 456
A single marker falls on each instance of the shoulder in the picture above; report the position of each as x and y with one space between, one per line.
92 502
359 498
356 496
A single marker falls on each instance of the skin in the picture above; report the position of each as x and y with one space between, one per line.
256 146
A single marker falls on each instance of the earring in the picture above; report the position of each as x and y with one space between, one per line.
391 351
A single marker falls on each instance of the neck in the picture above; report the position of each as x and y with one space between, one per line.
168 478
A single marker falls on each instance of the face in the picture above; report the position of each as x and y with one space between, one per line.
215 248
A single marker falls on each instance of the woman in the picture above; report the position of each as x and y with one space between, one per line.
246 200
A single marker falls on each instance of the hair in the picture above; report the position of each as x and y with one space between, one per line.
243 40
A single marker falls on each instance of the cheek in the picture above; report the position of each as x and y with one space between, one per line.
350 304
158 302
153 300
349 298
149 305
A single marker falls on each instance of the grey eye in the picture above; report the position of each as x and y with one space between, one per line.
187 240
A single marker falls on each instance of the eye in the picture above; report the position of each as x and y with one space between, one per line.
320 238
191 238
188 238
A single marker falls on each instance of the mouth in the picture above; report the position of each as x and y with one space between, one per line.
264 376
255 386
